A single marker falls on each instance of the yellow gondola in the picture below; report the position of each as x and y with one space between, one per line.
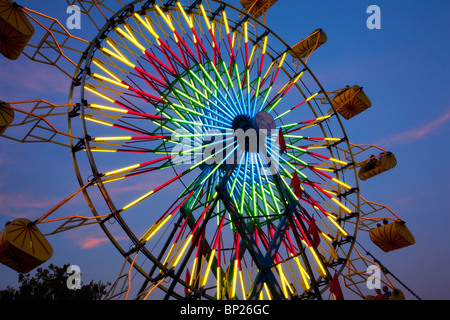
15 29
309 44
392 236
375 166
22 246
351 101
6 116
257 7
397 294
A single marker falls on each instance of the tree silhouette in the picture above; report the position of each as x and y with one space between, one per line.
51 284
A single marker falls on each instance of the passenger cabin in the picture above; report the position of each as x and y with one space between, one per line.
392 236
15 29
376 165
257 7
350 101
23 247
6 116
396 294
309 44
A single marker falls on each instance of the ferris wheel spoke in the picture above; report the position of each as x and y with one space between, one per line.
94 118
209 25
258 257
275 72
131 169
303 124
312 202
163 220
196 232
293 108
148 194
147 23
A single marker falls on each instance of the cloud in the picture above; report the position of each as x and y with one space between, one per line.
26 79
21 205
92 236
415 134
93 242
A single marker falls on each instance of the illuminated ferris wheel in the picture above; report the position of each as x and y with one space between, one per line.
222 163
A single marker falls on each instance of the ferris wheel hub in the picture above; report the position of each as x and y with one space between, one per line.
242 121
264 122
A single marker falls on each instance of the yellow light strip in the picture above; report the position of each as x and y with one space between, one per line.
112 54
246 31
113 45
322 270
326 236
99 121
264 45
333 139
283 281
112 138
270 68
113 179
342 231
233 284
168 22
300 267
225 22
341 205
202 10
346 186
148 26
194 267
138 200
180 7
170 253
159 226
100 77
122 169
101 95
324 169
99 64
130 37
267 291
250 60
292 83
282 60
205 277
338 161
182 250
219 281
102 150
102 107
241 277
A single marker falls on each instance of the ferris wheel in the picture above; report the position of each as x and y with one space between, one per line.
222 163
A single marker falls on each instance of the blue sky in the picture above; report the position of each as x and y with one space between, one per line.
404 69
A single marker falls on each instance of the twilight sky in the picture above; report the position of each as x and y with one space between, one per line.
404 69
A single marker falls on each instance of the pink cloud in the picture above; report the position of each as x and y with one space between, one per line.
21 205
92 242
91 237
95 241
417 133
